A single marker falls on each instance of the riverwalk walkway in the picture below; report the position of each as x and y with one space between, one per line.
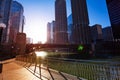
12 70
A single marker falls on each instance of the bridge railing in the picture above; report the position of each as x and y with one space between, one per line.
91 70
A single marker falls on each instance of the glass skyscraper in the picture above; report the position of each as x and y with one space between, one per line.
61 35
80 30
114 13
16 20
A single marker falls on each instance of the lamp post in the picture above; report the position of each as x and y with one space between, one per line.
2 26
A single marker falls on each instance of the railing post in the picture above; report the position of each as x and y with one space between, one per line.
47 65
35 64
50 73
39 60
107 69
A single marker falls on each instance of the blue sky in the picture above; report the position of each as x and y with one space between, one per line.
98 13
39 12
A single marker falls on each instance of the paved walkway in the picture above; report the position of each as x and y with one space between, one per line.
14 71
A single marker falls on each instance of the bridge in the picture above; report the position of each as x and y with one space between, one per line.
53 47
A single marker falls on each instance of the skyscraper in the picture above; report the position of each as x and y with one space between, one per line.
5 6
61 35
70 26
114 13
81 30
50 32
16 20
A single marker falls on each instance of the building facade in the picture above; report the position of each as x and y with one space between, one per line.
16 21
96 32
81 30
114 13
70 26
61 35
5 6
20 43
50 32
107 34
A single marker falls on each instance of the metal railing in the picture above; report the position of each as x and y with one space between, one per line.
87 69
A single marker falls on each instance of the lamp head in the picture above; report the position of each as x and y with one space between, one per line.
2 25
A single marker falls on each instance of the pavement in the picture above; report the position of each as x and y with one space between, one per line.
15 70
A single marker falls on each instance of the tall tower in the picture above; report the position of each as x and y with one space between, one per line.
114 13
61 35
16 20
81 30
50 32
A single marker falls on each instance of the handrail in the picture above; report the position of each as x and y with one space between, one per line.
88 69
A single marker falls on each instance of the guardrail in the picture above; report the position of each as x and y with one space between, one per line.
90 70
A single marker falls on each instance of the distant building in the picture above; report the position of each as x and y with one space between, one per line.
61 35
20 43
107 34
29 40
114 13
96 32
16 21
5 6
50 32
81 30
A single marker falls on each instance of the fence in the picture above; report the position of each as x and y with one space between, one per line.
90 70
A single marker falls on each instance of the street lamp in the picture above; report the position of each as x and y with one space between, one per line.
2 26
39 56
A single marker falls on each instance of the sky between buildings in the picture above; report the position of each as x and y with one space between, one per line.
39 12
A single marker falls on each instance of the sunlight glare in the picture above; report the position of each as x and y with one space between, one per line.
42 54
38 32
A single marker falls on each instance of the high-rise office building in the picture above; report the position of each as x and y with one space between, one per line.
16 20
50 32
70 26
5 6
114 13
61 35
81 30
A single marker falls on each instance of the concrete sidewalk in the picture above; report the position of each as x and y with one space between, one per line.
48 75
14 70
